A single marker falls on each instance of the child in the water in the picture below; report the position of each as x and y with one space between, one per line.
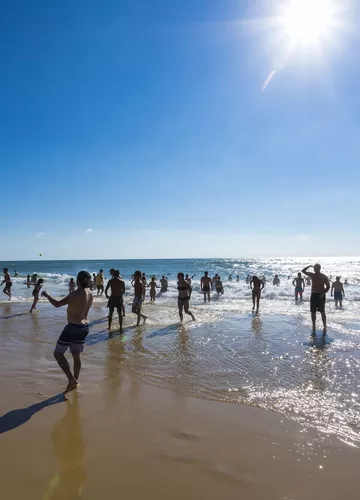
37 287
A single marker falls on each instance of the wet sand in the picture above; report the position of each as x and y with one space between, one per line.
120 437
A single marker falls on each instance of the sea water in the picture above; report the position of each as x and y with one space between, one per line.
270 360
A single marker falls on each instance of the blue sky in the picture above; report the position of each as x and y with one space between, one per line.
140 129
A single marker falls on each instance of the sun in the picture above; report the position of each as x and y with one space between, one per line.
307 22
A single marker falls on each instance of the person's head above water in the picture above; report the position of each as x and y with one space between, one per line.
83 279
317 268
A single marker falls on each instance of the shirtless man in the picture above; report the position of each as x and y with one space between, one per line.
320 287
276 280
164 284
115 301
338 290
206 285
219 285
77 329
7 281
299 285
153 286
188 279
139 294
256 285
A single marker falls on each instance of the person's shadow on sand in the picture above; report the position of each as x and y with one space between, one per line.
15 418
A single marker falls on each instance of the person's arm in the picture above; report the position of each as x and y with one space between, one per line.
343 291
262 285
332 289
327 285
303 285
54 302
201 284
304 271
251 284
106 289
189 288
294 282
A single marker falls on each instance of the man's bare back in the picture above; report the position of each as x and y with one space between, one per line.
79 304
117 287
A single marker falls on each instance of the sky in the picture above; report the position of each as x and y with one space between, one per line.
179 129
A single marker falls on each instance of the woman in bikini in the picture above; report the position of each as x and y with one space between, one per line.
36 291
184 296
153 286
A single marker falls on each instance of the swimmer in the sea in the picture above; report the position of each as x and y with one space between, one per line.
164 284
319 288
219 286
36 292
28 281
237 278
138 299
184 296
230 277
153 286
299 285
8 283
206 286
276 280
256 285
115 301
77 329
338 291
99 280
72 285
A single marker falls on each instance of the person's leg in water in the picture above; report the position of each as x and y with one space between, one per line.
64 365
300 293
140 315
323 317
340 303
313 319
186 309
120 317
77 365
204 296
296 295
181 307
123 310
253 300
36 299
110 317
208 295
7 292
257 302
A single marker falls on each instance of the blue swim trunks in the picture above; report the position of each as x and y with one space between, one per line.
338 296
73 336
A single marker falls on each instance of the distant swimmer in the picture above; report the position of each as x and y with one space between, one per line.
248 279
299 285
188 279
338 290
138 299
143 278
230 277
256 285
263 278
308 281
163 284
115 301
77 329
153 286
320 287
214 280
99 280
28 281
16 274
8 283
33 278
346 282
184 296
36 292
72 285
276 280
219 286
206 286
237 278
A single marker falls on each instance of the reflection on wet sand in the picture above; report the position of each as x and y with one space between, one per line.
68 442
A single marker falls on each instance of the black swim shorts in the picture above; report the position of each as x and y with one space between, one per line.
115 302
73 336
317 302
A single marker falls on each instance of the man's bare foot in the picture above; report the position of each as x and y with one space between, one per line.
145 318
71 386
324 330
193 317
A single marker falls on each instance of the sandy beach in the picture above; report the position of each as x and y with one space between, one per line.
118 435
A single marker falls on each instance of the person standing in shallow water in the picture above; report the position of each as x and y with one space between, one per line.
338 290
184 296
256 285
7 281
75 332
115 301
139 287
299 285
319 288
206 286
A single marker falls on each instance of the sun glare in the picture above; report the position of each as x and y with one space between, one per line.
307 22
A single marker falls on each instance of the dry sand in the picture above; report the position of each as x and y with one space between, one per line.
119 437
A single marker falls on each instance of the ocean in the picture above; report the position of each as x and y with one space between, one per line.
270 361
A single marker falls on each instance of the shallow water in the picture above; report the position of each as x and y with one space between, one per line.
270 361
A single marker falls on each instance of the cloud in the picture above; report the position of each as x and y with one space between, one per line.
88 230
301 237
39 235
